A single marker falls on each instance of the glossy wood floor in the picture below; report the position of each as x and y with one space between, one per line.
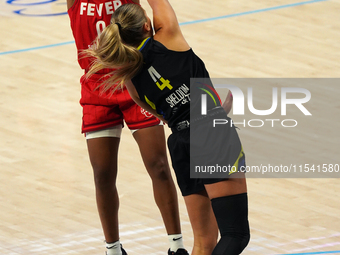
47 203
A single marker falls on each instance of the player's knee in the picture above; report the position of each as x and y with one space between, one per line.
159 169
231 244
231 213
104 176
244 241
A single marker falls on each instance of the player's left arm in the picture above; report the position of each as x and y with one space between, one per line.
167 30
134 95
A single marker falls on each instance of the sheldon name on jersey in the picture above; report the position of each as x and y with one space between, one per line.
90 9
181 95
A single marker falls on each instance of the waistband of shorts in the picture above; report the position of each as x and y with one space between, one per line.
180 126
186 123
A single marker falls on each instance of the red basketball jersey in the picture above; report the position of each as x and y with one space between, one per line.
88 19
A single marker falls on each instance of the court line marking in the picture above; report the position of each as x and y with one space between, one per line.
252 12
36 48
184 23
314 253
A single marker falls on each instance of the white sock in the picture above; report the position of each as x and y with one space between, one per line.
176 242
113 248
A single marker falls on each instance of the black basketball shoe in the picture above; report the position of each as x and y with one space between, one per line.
178 252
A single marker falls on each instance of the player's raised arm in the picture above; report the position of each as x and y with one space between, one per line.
167 30
69 3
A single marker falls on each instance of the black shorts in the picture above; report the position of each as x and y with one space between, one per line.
182 161
179 147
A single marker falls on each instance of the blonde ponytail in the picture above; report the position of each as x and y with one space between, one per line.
115 47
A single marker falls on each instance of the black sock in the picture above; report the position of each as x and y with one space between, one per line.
231 213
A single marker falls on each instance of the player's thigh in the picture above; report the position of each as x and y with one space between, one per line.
103 153
235 184
152 146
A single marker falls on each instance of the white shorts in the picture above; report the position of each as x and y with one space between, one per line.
115 131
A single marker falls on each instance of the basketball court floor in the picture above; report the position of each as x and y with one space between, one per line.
47 203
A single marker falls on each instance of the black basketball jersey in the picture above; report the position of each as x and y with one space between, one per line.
164 80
